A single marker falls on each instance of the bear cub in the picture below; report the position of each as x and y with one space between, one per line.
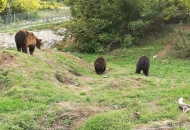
143 64
100 65
25 39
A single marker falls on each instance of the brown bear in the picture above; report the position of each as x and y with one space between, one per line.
25 39
143 64
100 65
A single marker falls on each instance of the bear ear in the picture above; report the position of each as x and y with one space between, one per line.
40 40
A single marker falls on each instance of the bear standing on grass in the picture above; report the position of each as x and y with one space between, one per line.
25 39
143 64
100 65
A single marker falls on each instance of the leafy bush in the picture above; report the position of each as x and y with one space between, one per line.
1 21
68 2
20 6
49 5
2 5
128 41
34 15
182 45
98 24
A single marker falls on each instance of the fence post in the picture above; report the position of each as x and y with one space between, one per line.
67 11
42 14
188 16
14 19
5 20
28 17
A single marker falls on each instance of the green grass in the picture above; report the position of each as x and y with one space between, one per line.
155 97
33 87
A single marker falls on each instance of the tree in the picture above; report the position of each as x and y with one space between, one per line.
19 6
68 2
2 5
97 24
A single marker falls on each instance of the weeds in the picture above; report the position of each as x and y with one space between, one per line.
181 47
5 80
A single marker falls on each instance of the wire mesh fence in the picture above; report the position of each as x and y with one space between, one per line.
27 19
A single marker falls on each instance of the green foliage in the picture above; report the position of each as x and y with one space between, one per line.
98 24
68 2
49 5
128 41
138 27
34 15
2 5
182 45
1 21
19 6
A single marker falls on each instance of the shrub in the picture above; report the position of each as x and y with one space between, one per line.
128 41
182 46
97 24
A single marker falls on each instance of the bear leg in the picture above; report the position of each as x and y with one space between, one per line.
138 71
104 69
18 48
24 49
145 72
31 49
97 71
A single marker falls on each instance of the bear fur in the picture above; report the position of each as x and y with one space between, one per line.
25 39
100 65
143 64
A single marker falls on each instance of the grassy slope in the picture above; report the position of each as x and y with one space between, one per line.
33 87
155 97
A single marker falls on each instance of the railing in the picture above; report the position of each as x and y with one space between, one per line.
23 20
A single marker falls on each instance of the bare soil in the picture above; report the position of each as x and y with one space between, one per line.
166 50
76 114
6 60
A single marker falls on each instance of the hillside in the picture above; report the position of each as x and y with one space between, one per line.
33 85
60 90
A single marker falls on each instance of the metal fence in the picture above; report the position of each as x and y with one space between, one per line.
28 19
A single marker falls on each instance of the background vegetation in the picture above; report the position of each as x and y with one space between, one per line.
33 88
21 6
2 5
99 24
60 90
